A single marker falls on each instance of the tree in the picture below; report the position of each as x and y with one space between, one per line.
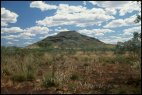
138 19
119 48
133 45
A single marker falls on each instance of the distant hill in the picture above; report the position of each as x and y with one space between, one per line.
69 39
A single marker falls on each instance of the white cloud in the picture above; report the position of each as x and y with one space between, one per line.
27 43
24 33
59 30
123 6
95 32
84 3
111 11
16 40
9 37
52 34
37 30
76 15
129 8
129 31
122 22
11 30
8 17
115 39
9 42
98 33
42 37
42 5
115 23
110 4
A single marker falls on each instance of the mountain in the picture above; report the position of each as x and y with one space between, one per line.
69 39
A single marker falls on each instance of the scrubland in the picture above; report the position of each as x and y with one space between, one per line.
92 72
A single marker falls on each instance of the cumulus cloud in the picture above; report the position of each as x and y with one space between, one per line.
10 43
16 40
110 11
24 33
95 32
129 8
59 30
11 30
129 31
109 4
42 5
115 40
7 17
37 30
27 43
123 6
122 22
76 15
9 37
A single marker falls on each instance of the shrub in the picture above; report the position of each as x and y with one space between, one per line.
74 77
19 77
6 71
86 64
30 74
27 72
48 81
122 59
107 60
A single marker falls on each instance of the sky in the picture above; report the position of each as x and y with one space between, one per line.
26 22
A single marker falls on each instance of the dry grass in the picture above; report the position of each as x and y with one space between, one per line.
80 72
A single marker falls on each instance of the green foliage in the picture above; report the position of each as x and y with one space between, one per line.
20 77
133 45
49 81
119 58
138 19
6 71
24 70
23 76
109 60
30 74
122 59
74 77
86 65
119 48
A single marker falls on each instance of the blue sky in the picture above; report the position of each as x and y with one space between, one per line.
26 22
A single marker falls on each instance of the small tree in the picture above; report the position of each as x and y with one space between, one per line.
119 48
133 45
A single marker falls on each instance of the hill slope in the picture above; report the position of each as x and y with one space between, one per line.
69 39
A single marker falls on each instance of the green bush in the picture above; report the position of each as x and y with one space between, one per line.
28 73
117 59
122 59
107 60
48 81
19 77
6 71
74 77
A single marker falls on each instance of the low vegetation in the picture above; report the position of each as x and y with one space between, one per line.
72 71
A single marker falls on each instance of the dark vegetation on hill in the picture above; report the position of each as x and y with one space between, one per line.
71 40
